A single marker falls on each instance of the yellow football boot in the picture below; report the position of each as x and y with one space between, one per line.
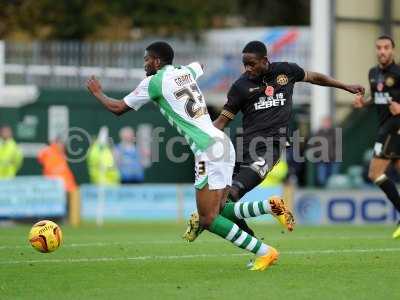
263 262
194 229
396 233
281 212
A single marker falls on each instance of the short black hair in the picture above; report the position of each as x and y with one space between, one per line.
163 51
255 47
386 37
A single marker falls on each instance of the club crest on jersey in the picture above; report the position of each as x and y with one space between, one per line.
269 91
389 81
379 87
282 79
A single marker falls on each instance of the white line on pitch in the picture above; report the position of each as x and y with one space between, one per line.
190 256
289 237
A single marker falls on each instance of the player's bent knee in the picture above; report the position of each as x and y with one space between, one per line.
234 194
245 181
378 180
374 175
207 220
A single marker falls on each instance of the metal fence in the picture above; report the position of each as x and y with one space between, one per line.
120 64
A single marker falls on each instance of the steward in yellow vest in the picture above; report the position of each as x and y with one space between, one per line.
10 154
101 164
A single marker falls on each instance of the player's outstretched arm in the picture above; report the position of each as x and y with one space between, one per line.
325 80
117 107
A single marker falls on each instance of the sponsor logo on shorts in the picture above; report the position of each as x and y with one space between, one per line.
260 166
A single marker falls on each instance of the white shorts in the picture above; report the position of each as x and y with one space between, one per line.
215 165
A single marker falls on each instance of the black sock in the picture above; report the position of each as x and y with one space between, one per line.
241 222
243 225
389 188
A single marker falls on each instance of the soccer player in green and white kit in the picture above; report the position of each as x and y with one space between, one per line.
175 91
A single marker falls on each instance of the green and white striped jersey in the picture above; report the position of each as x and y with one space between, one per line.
174 89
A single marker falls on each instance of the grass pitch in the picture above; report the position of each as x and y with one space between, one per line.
150 261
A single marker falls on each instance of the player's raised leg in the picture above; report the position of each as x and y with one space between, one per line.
209 203
377 174
239 211
396 233
244 181
274 206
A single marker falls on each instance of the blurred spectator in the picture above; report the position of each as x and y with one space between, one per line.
328 166
54 163
10 154
101 163
296 168
128 158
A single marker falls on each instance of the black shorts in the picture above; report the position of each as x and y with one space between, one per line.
387 142
261 159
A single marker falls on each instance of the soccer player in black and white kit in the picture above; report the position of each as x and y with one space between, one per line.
384 80
263 94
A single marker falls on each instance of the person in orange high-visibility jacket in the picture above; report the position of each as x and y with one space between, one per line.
54 162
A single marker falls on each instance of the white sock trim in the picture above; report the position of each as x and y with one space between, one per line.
232 233
246 213
265 205
262 250
380 179
256 209
252 244
241 238
237 210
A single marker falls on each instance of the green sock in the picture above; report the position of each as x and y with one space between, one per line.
228 230
242 210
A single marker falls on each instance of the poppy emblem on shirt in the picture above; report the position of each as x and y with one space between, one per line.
379 87
269 91
389 81
282 79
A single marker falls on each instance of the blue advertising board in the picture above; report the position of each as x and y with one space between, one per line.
148 201
133 201
31 196
368 206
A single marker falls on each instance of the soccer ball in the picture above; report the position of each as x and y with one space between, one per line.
45 236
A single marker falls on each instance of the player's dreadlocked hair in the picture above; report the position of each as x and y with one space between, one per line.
163 51
255 47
